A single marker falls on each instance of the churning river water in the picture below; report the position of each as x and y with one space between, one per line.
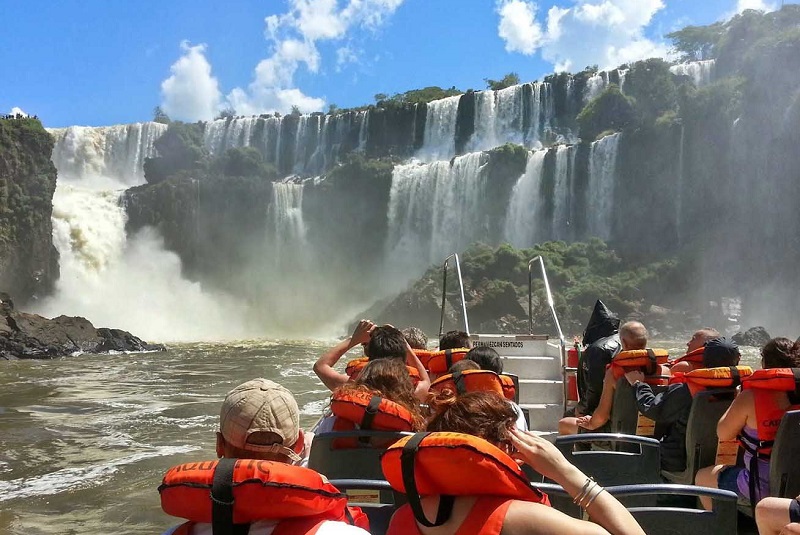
85 440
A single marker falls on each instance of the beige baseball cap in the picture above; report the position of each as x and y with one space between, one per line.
261 405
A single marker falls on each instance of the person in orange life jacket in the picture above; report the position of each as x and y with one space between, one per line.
380 342
778 516
259 419
601 343
415 338
486 415
387 378
698 340
741 419
488 359
672 406
632 335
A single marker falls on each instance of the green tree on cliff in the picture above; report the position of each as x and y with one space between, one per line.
611 110
508 80
695 43
180 148
159 116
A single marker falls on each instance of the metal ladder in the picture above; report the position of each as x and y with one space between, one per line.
538 361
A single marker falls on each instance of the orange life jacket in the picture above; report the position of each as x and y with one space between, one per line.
475 381
649 360
360 409
433 464
243 491
695 358
355 366
485 518
769 413
707 378
440 361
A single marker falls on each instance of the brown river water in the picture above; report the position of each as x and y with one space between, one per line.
85 440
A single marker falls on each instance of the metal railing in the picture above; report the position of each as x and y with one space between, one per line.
551 304
444 293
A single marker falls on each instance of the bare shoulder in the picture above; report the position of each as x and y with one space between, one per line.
527 518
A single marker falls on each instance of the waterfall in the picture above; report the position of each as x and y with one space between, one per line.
500 116
562 193
305 145
623 73
287 218
602 178
129 283
440 130
701 72
523 221
679 195
434 209
595 85
119 151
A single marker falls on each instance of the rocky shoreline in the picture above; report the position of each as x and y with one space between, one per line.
30 336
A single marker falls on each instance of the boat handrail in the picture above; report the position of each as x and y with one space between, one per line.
444 293
551 304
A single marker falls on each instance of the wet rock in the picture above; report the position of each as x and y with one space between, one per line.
30 336
754 336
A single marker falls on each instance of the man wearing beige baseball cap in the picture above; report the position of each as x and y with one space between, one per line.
260 419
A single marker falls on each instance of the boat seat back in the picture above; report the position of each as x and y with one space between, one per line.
663 520
784 470
375 498
639 462
363 462
708 407
625 417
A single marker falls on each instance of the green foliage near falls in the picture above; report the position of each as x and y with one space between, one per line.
696 43
508 80
415 96
611 110
496 288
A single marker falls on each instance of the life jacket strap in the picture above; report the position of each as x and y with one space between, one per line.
458 380
407 466
370 412
222 501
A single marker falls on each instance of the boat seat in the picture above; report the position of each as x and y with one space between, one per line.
639 462
371 496
784 470
701 433
624 416
674 520
363 462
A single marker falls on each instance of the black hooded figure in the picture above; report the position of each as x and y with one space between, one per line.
601 343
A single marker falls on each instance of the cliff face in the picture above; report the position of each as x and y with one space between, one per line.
28 259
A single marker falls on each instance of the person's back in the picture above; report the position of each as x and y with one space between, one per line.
259 440
753 418
601 341
492 503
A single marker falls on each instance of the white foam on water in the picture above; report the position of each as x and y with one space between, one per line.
69 479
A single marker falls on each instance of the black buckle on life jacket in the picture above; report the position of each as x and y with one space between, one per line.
461 385
407 466
736 377
370 412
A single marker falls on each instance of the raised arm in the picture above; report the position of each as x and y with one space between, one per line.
421 391
603 508
325 363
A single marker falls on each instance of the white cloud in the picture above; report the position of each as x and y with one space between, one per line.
18 111
191 93
761 5
518 26
294 36
602 32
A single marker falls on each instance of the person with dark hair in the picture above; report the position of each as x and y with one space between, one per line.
672 406
486 358
379 342
463 365
415 338
746 419
601 342
454 340
486 416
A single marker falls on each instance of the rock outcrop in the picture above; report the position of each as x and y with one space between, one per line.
754 336
30 336
28 259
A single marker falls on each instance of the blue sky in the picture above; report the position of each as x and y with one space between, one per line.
100 62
